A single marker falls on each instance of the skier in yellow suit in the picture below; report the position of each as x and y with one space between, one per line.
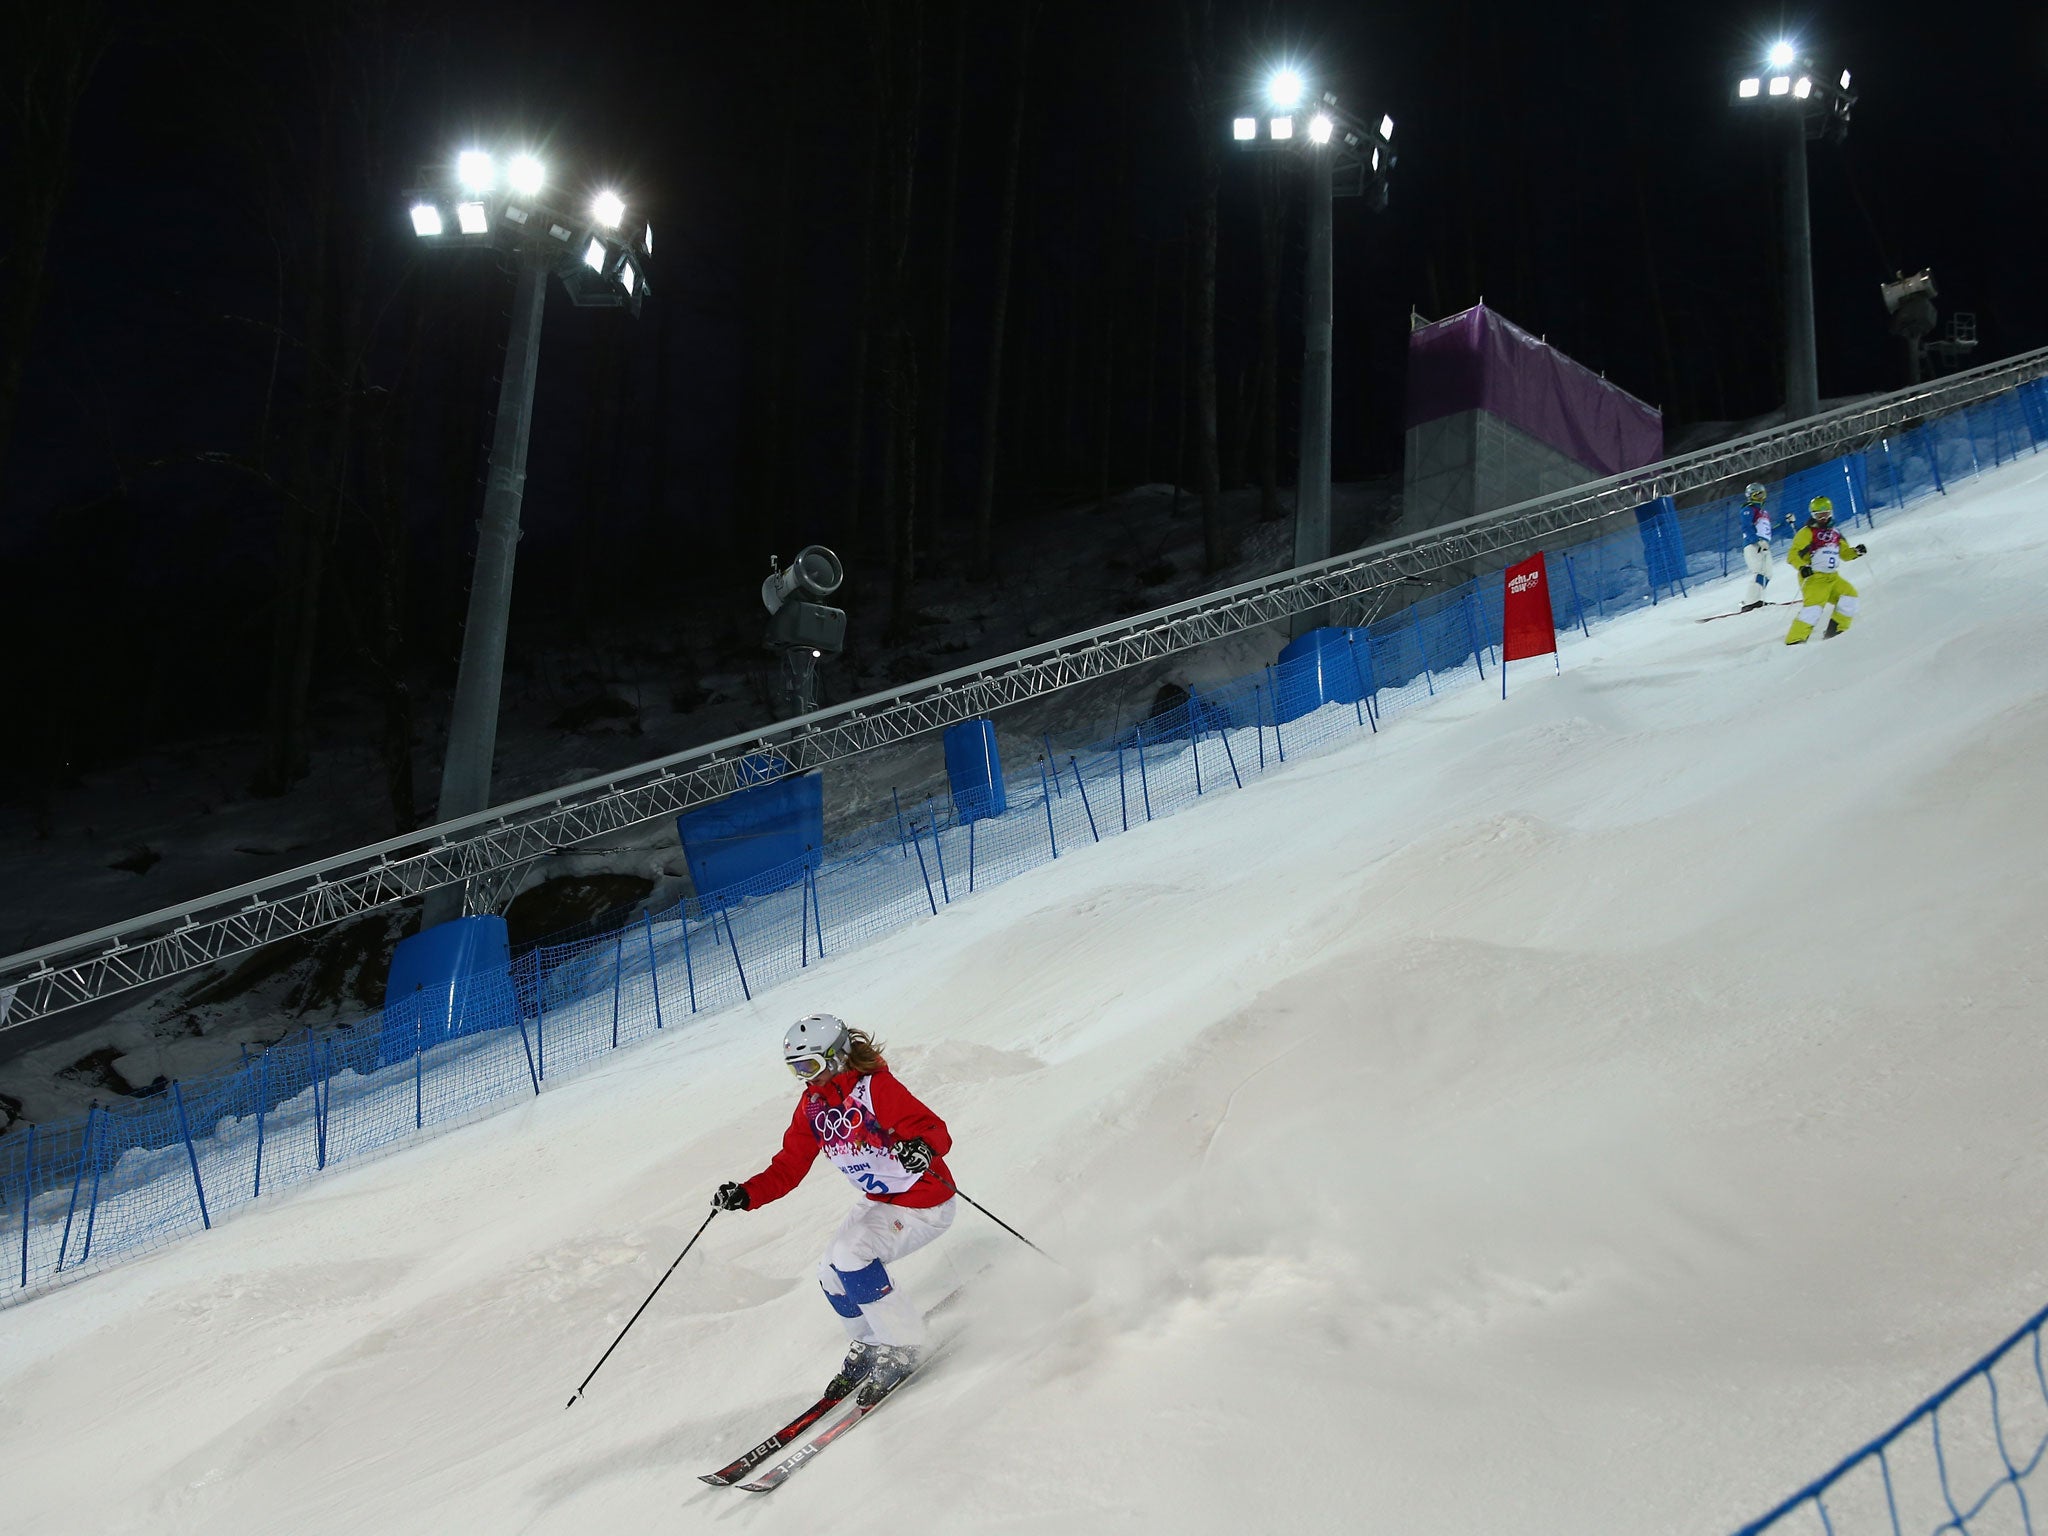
1818 551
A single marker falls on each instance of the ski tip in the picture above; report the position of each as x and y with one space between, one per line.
713 1479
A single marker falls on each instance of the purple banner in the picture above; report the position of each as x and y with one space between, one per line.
1479 361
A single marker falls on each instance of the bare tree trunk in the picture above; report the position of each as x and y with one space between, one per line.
1198 34
899 42
938 375
863 335
1150 389
1272 238
1027 13
55 48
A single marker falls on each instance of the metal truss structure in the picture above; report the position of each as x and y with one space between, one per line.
484 851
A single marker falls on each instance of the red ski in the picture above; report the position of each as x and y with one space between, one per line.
732 1471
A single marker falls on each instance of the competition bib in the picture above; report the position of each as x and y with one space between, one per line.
849 1135
1826 553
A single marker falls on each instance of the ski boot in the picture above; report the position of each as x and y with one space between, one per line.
1831 631
887 1366
853 1370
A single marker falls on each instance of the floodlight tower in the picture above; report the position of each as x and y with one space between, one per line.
1807 105
1347 157
514 211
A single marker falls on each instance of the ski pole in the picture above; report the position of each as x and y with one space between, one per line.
992 1216
636 1316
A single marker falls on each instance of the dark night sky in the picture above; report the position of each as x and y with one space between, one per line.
1536 145
1581 165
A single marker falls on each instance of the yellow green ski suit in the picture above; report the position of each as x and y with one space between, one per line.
1822 551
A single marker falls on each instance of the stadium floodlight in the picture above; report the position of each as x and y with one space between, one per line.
506 197
1348 155
1801 103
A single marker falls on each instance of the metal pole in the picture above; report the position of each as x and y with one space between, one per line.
473 725
1802 369
1312 477
637 1311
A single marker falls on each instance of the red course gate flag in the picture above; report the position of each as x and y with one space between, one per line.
1527 628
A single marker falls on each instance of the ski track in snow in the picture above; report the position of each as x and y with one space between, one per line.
1596 1111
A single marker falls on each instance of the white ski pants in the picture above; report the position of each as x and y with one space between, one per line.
854 1277
1758 558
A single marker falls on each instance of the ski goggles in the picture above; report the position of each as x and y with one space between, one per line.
807 1067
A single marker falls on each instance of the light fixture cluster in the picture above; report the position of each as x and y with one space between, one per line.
1290 118
510 203
1791 76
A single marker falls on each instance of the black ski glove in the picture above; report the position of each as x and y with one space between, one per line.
730 1197
1805 571
914 1154
1862 549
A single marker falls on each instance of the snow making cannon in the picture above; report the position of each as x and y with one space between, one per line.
801 628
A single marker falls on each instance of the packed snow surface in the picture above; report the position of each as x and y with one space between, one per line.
1596 1111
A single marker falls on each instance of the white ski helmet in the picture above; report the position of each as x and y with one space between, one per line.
816 1046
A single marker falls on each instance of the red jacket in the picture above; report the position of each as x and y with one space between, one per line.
855 1120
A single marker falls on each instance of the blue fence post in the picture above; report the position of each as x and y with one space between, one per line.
1358 677
1144 784
939 847
85 1156
28 1185
689 966
970 855
1259 721
262 1109
418 1072
540 1015
185 1130
1046 739
618 981
1571 577
1230 757
92 1202
733 942
1472 634
323 1092
1273 687
1123 800
1727 534
1933 451
923 870
902 843
817 913
1045 795
526 1044
653 970
803 904
1195 736
1422 650
1078 784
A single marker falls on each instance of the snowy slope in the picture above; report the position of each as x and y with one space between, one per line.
1595 1111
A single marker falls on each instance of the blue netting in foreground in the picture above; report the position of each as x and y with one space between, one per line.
137 1175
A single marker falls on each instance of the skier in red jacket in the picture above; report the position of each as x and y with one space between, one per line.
892 1148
